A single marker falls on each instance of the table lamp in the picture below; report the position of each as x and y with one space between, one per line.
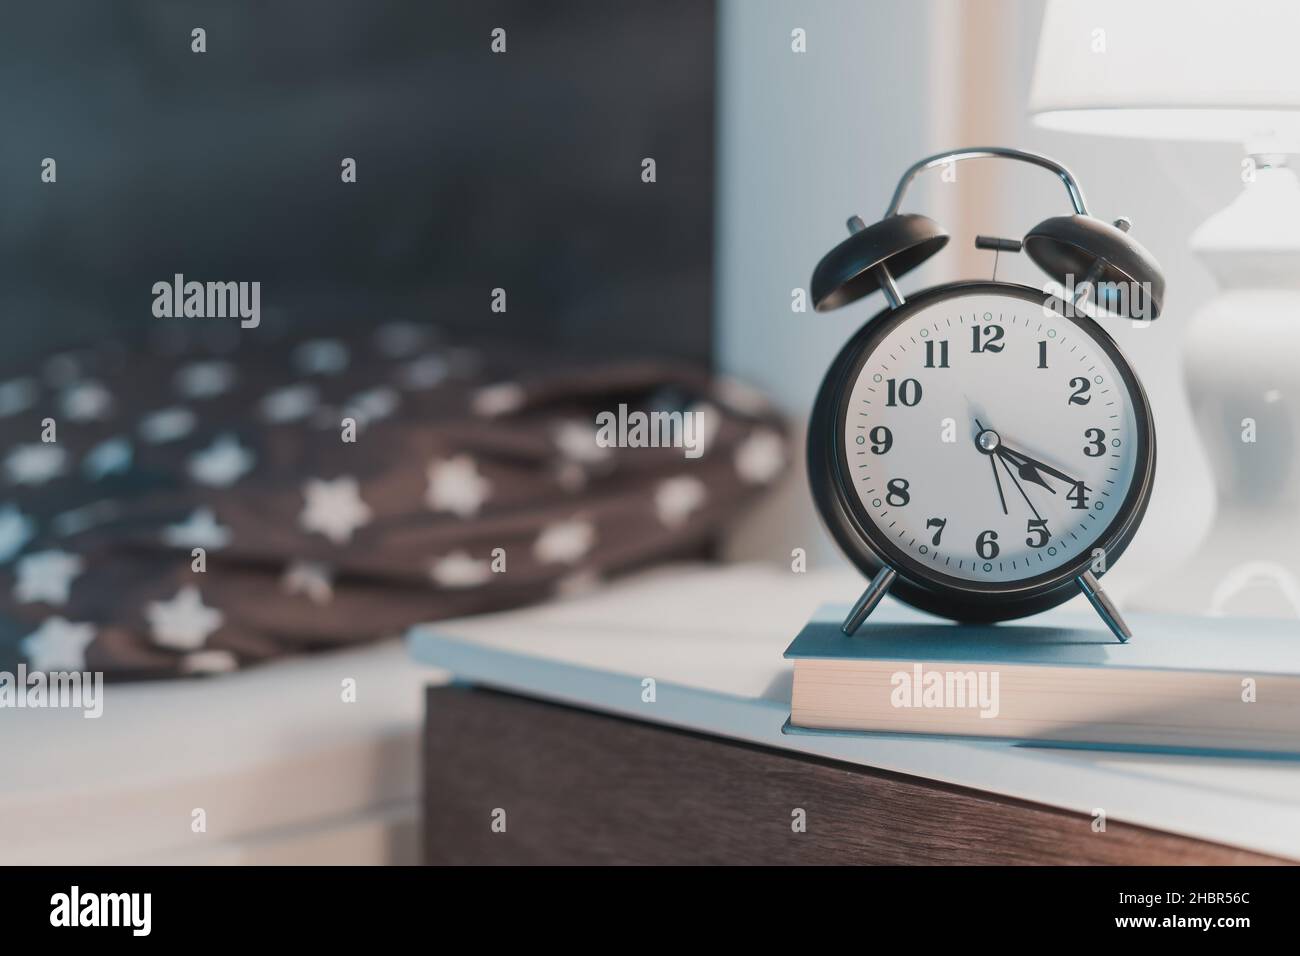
1205 70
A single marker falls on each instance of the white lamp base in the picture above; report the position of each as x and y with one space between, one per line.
1242 364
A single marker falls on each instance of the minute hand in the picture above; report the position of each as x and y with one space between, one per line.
1029 468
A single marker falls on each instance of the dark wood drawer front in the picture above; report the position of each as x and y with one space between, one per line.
581 787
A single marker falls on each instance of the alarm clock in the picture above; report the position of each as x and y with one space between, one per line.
983 450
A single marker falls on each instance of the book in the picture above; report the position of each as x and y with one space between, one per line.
1186 684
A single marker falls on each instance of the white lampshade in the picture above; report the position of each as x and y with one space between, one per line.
1172 69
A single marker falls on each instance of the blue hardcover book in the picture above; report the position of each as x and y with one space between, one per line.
1200 684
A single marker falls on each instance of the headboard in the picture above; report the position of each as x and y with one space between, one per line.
476 170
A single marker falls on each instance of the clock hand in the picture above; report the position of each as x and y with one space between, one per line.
993 464
1026 470
998 482
1033 464
1012 476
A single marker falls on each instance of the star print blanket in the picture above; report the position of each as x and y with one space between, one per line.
180 510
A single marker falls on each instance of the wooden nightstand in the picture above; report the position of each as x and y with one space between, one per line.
643 724
580 787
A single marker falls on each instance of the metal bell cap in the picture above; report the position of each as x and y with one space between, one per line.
1084 248
847 272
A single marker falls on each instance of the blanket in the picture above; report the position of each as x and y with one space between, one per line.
199 505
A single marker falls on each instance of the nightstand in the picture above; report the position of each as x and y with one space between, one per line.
580 787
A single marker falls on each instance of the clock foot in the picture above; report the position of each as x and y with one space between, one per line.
1091 589
870 598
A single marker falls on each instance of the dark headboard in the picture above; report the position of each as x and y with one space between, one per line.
475 170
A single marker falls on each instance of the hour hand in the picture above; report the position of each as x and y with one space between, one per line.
1026 468
1025 463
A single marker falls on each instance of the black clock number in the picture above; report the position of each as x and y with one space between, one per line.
939 523
930 354
1081 386
1037 527
898 494
986 545
882 439
1042 353
908 391
987 338
1079 495
1096 439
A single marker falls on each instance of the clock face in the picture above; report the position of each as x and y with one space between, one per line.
992 440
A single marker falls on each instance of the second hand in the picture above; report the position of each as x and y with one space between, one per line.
998 481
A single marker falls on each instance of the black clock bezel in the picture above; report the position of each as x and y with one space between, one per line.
831 480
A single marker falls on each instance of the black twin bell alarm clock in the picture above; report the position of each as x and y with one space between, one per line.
980 449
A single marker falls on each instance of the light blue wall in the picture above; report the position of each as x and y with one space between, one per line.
804 141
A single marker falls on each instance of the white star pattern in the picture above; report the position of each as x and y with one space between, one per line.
205 379
456 486
564 542
222 463
16 529
199 530
578 443
109 457
459 570
422 373
167 424
77 520
334 508
321 357
743 398
500 399
290 404
35 464
16 396
86 402
708 421
310 578
760 457
184 623
46 576
372 404
676 498
57 645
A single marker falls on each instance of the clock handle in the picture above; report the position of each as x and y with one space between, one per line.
864 605
989 152
1091 589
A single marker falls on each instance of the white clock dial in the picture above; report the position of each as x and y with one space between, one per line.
990 439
